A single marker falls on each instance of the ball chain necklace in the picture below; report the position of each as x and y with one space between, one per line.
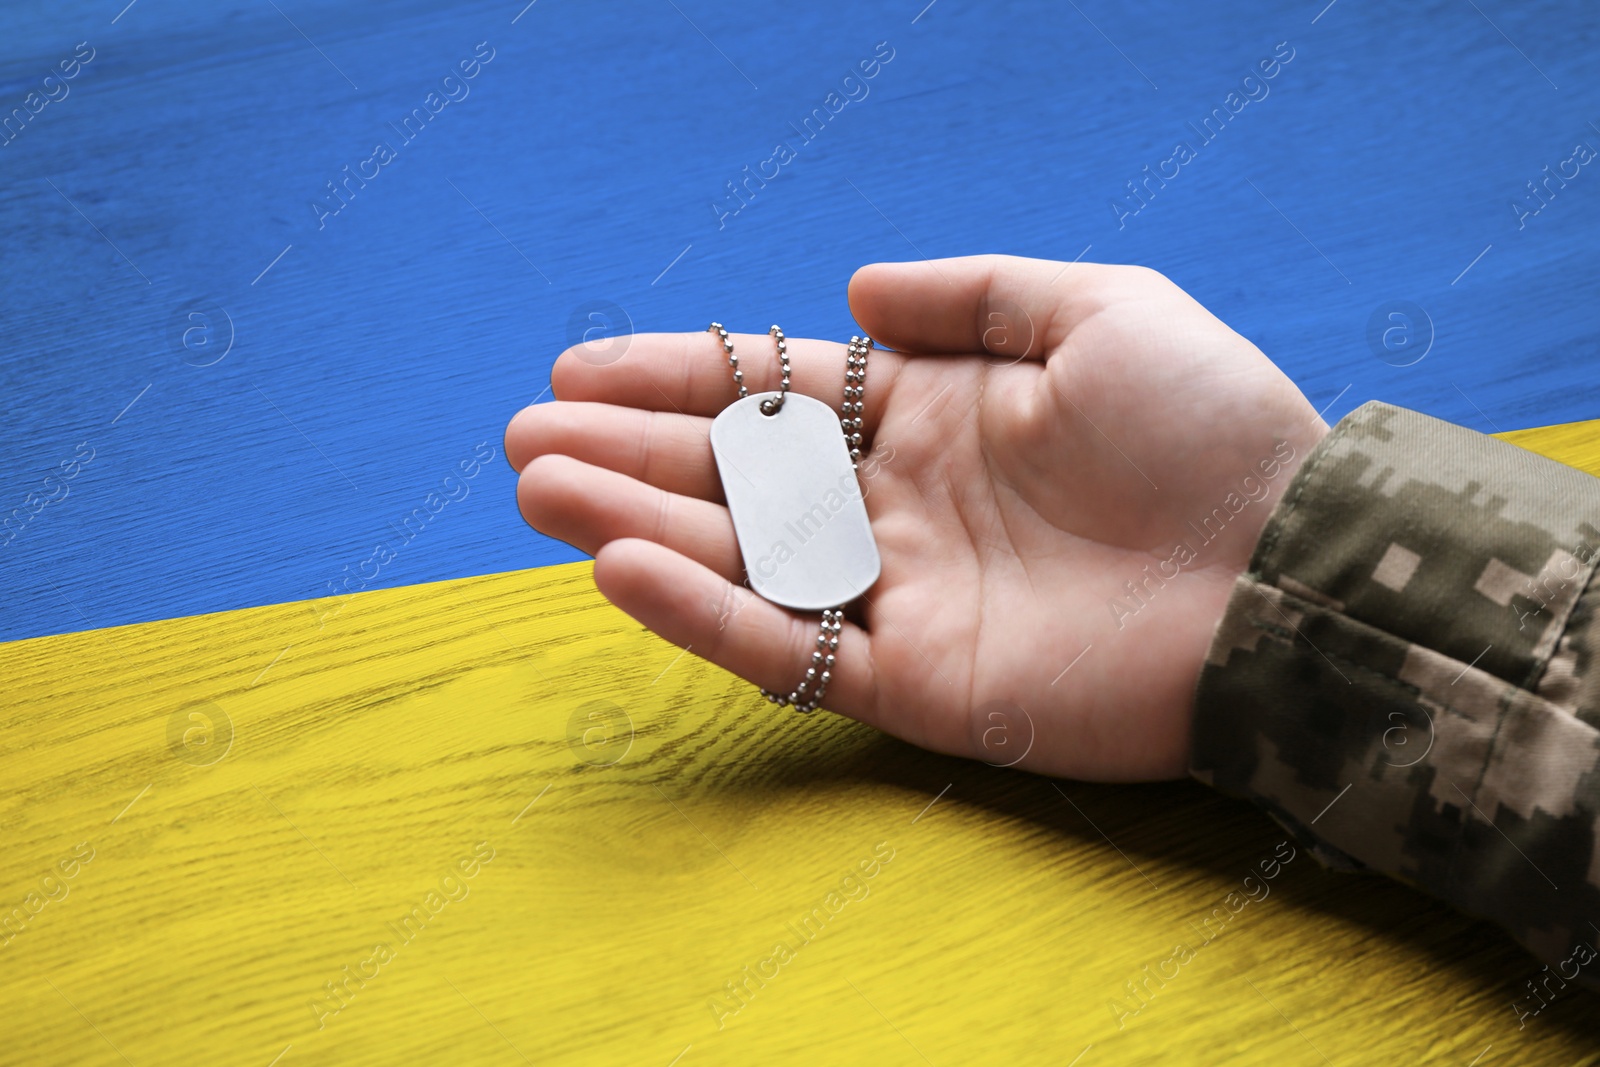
792 486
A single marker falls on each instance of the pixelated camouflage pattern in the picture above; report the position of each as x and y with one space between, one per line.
1405 677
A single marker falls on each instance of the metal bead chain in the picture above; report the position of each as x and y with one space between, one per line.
733 360
772 407
855 377
820 671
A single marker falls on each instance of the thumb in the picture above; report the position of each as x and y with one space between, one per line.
1007 306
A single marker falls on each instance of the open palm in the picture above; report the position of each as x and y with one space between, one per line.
1041 435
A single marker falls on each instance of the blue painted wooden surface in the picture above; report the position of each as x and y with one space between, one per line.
371 355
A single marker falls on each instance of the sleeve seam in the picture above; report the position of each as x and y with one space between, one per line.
1483 771
1539 664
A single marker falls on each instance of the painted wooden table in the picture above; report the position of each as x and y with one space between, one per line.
277 273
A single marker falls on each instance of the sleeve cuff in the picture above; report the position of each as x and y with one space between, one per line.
1405 676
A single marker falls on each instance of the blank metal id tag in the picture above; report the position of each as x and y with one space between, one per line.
796 505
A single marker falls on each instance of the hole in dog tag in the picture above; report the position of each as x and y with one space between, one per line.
796 505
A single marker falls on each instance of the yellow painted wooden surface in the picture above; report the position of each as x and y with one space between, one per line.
641 859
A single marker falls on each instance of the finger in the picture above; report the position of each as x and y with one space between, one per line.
663 449
587 506
731 626
689 373
1010 307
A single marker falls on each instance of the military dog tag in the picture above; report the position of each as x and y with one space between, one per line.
796 505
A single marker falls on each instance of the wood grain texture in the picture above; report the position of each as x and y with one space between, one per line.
642 862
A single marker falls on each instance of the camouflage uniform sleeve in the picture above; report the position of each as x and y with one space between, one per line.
1406 677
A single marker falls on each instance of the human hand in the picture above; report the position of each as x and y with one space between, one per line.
1044 432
